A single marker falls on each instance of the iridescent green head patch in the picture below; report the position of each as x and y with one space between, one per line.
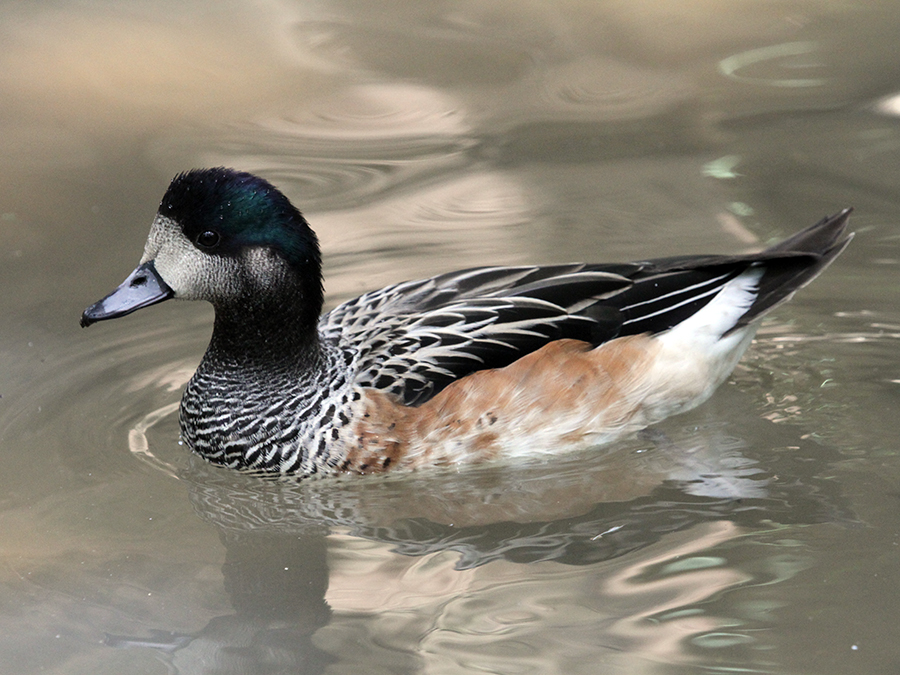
221 211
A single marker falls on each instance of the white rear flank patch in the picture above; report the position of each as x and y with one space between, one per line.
694 358
706 327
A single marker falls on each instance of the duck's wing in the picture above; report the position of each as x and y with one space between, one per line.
412 339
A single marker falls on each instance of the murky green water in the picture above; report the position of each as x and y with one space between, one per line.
759 533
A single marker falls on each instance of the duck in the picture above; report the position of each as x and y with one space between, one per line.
469 366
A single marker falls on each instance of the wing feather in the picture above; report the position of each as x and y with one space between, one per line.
413 338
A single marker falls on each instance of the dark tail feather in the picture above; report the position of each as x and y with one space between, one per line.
796 261
819 238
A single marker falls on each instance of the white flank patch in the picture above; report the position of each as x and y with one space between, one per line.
694 358
705 328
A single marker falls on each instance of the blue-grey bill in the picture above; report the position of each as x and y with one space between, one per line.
142 288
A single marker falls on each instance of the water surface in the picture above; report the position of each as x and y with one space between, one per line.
758 533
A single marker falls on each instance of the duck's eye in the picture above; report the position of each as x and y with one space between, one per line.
208 239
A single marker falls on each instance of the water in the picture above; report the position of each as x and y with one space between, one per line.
758 533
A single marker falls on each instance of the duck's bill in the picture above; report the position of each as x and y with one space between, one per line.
142 288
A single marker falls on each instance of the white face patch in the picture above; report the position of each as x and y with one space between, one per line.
176 259
188 271
195 275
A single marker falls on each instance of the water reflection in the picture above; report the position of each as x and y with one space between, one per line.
447 568
673 582
276 586
647 515
751 66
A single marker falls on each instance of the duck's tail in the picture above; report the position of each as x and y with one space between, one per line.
791 264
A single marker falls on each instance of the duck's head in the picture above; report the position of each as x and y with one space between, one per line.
227 237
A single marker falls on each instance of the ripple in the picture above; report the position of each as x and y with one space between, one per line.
776 66
90 393
327 174
342 150
823 383
381 111
325 184
608 90
481 217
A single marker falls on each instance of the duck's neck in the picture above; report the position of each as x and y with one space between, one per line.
266 334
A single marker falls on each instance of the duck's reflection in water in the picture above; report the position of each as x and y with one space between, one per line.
669 496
